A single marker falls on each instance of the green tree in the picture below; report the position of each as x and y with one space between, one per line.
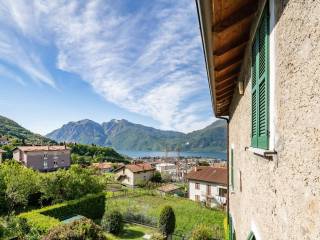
112 222
202 232
167 221
156 177
19 184
70 184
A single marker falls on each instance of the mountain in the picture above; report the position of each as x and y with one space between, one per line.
124 135
13 130
84 131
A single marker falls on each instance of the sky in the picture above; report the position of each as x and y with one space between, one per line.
139 60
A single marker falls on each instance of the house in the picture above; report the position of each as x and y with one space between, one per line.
168 170
103 167
4 140
263 66
134 174
1 152
209 185
43 158
170 189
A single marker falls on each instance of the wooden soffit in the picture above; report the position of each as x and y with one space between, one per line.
225 29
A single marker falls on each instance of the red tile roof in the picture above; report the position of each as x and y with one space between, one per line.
103 165
138 167
209 174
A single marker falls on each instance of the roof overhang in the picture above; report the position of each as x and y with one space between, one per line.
225 27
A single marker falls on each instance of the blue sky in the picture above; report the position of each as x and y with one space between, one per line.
138 60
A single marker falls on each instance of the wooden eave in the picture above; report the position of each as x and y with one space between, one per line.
225 29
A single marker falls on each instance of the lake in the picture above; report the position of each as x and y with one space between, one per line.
137 154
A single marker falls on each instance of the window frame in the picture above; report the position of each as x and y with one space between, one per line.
258 140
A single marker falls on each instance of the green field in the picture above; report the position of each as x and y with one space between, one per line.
188 213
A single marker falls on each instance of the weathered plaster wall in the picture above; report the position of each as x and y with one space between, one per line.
280 198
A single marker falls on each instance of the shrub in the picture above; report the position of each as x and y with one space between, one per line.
112 222
167 221
157 236
77 230
202 232
44 219
139 218
156 177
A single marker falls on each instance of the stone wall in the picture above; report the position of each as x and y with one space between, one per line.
280 197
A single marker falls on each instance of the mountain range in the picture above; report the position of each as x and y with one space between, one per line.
124 135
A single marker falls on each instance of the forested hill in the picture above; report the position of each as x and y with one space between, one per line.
18 134
124 135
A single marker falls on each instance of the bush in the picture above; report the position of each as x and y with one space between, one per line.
77 230
202 232
156 177
44 219
139 218
112 222
167 221
156 236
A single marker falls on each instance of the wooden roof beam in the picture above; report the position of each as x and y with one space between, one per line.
232 61
221 81
243 13
227 88
228 74
235 44
225 94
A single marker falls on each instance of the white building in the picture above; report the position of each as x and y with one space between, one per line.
208 185
135 174
4 141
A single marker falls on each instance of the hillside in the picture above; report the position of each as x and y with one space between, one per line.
16 132
124 135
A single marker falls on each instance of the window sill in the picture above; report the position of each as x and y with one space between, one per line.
262 152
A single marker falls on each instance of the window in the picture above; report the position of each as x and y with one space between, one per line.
231 170
55 164
222 192
260 85
208 190
197 185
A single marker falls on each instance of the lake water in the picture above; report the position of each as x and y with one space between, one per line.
137 154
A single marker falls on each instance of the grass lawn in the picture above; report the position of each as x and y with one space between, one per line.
188 213
132 231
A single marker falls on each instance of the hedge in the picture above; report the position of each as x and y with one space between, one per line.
91 206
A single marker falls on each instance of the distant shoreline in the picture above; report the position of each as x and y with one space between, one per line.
144 154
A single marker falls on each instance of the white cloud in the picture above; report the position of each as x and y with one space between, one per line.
148 61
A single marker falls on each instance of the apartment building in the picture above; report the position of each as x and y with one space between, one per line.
43 158
263 66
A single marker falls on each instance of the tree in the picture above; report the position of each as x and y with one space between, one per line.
167 221
19 184
202 232
77 230
156 177
112 222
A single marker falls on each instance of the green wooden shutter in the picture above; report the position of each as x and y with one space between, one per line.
260 85
251 236
254 96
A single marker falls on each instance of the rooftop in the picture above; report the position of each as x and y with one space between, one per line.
42 148
226 27
209 174
140 167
